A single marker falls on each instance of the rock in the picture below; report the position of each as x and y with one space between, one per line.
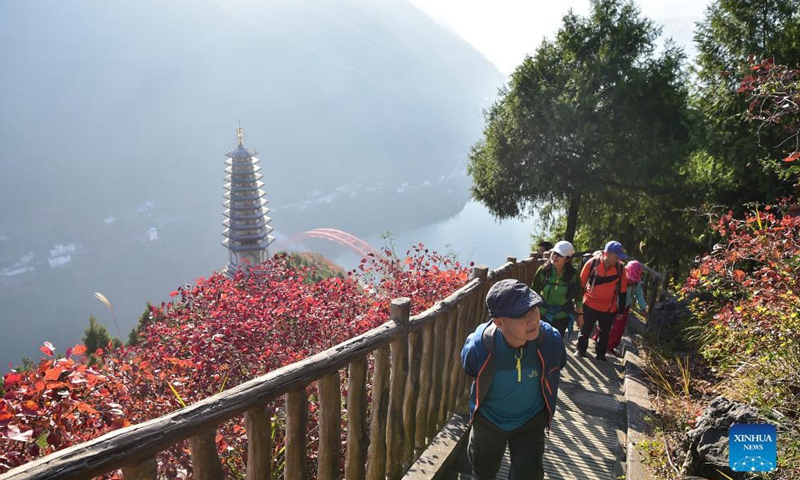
707 444
664 321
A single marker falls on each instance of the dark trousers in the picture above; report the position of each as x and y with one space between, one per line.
487 443
559 324
604 320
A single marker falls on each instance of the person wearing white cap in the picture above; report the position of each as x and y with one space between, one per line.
559 284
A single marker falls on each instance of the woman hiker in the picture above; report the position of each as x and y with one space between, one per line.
559 285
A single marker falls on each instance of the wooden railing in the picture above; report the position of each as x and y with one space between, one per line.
653 283
417 383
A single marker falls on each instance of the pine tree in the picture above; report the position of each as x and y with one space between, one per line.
95 337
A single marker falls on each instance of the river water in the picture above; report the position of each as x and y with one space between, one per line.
473 234
54 304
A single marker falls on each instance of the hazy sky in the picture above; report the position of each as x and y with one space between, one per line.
506 30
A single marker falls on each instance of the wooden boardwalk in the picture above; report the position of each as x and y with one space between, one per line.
587 438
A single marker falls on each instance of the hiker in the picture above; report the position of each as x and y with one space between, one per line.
604 288
559 285
516 361
633 299
543 248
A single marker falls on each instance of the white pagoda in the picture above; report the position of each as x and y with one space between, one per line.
247 227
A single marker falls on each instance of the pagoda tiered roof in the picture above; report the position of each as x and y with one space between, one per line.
246 242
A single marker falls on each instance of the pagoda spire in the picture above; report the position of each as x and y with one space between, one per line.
247 230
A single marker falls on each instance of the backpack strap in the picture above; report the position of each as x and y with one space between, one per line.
592 273
488 337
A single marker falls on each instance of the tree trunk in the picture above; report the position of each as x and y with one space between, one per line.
572 216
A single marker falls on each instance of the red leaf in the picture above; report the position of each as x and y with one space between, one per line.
78 350
11 379
46 350
173 293
53 373
791 158
738 275
30 407
86 408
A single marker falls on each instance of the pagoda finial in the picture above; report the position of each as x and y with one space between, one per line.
240 134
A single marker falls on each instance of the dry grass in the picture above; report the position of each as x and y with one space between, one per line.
678 393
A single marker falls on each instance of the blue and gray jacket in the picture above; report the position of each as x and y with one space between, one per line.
477 360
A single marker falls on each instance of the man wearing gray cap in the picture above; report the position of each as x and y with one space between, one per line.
516 361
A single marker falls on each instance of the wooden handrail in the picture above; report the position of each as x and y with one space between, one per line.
410 353
137 443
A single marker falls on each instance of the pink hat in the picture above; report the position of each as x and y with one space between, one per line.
634 271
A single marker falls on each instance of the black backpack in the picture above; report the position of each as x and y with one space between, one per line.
591 257
586 257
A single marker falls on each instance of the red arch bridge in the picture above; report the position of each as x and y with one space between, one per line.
345 239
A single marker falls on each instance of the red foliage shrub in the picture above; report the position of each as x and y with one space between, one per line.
214 335
745 292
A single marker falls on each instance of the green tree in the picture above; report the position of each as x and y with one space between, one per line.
146 317
735 35
591 118
27 365
774 103
96 336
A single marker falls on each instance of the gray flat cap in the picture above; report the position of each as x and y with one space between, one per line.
511 298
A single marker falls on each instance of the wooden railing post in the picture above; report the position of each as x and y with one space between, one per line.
147 470
258 423
481 272
425 374
447 364
514 272
330 427
475 316
653 295
355 460
462 402
458 378
400 312
296 424
412 397
534 265
205 459
376 455
436 378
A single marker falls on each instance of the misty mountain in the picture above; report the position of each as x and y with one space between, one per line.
115 118
105 103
